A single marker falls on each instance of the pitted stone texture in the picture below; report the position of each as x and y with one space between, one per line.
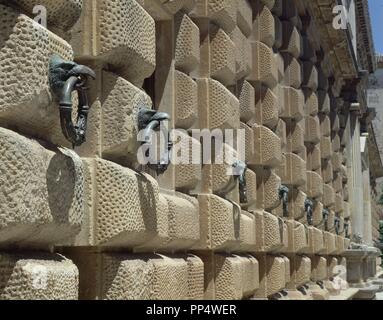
126 206
298 237
340 249
121 104
265 69
330 243
41 193
263 24
268 189
251 189
295 137
219 223
318 268
246 101
244 17
312 130
275 273
187 54
325 125
314 185
235 277
60 14
243 59
293 104
297 204
268 151
311 102
295 173
336 144
266 107
293 72
157 277
247 232
26 102
37 277
291 39
186 109
223 13
218 107
223 57
316 242
272 232
302 265
337 183
122 34
186 149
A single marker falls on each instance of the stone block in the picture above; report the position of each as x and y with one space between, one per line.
42 192
263 24
295 137
243 59
336 161
323 102
266 107
223 13
330 243
316 241
293 72
223 57
38 276
318 268
337 182
218 107
246 101
127 41
312 130
327 172
311 102
297 204
27 103
302 266
265 69
275 273
314 185
272 232
310 75
295 171
187 51
325 125
314 159
220 222
268 151
244 17
247 232
336 145
326 148
298 237
268 189
293 102
328 195
292 42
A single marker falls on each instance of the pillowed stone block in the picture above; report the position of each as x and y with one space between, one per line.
266 107
302 265
223 13
325 125
268 151
335 143
235 277
316 242
244 16
327 172
310 75
291 39
340 249
312 130
62 15
314 185
151 277
323 102
223 57
268 189
219 223
293 72
247 232
281 132
263 24
332 263
127 41
297 204
37 277
318 214
272 232
298 237
186 91
338 208
337 183
336 161
187 52
251 189
249 142
243 59
41 194
218 107
326 148
275 273
346 209
318 268
121 103
26 101
246 101
314 159
295 137
330 243
187 174
311 102
335 122
328 195
265 69
293 104
295 173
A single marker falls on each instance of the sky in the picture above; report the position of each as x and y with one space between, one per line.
376 12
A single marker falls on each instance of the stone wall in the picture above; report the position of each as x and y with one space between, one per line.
94 219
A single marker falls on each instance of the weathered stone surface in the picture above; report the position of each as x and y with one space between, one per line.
26 101
127 41
41 193
186 106
293 104
293 72
268 151
275 273
246 101
291 39
37 277
318 268
263 25
243 60
266 107
295 137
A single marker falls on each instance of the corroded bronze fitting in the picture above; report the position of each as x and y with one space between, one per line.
284 197
64 78
309 207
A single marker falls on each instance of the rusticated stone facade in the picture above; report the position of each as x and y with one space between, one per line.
90 222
